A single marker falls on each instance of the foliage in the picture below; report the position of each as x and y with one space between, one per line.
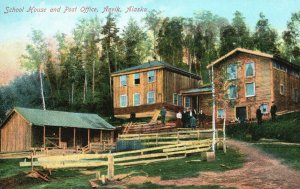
286 128
127 145
288 153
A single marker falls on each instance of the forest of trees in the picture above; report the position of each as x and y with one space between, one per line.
75 75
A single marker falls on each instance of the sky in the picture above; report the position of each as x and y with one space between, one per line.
16 26
17 22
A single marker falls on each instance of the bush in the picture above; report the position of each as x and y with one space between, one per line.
285 128
127 145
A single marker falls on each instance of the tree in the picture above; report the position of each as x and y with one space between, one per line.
36 57
153 21
227 39
242 34
170 41
133 37
291 37
265 37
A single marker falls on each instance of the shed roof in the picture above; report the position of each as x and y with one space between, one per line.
257 53
195 91
63 119
157 64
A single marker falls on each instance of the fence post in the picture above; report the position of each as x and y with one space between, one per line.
110 170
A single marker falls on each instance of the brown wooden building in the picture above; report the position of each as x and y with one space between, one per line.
26 128
252 80
142 89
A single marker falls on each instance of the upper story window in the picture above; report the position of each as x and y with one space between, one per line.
123 101
232 71
151 76
123 80
136 99
175 98
250 89
151 97
137 80
232 92
250 69
187 102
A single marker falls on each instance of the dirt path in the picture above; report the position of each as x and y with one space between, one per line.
260 171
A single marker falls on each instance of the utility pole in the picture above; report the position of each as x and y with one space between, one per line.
214 109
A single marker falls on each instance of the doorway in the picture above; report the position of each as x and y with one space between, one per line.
241 114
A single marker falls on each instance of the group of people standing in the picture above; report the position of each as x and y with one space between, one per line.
259 114
188 118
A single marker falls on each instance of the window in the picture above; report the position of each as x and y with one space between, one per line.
136 99
151 76
231 71
123 80
151 97
187 102
250 69
264 108
179 100
220 113
136 79
232 93
250 89
295 95
281 89
175 98
123 101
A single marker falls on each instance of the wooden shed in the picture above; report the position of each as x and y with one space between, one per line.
26 128
142 89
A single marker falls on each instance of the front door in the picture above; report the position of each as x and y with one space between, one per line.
241 113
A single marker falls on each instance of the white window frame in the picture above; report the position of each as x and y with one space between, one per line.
267 108
249 63
125 101
123 76
236 70
218 116
136 78
153 97
134 103
281 91
175 98
185 102
253 89
154 76
228 91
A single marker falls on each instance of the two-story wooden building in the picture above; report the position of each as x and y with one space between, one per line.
142 89
246 80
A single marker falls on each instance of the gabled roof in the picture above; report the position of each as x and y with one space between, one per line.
257 53
62 119
156 65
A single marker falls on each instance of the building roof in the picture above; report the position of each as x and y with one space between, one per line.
257 53
196 91
62 119
157 64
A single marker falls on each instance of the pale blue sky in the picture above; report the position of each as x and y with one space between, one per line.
17 26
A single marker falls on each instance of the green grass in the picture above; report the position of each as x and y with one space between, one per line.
10 167
173 169
288 153
150 185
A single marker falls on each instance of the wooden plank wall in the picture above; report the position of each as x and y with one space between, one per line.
262 79
15 134
285 102
143 88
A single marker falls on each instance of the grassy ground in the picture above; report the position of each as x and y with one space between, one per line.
172 169
288 153
155 186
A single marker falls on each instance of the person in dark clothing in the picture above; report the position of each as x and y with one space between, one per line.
273 111
185 116
259 116
201 118
193 122
188 117
163 113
